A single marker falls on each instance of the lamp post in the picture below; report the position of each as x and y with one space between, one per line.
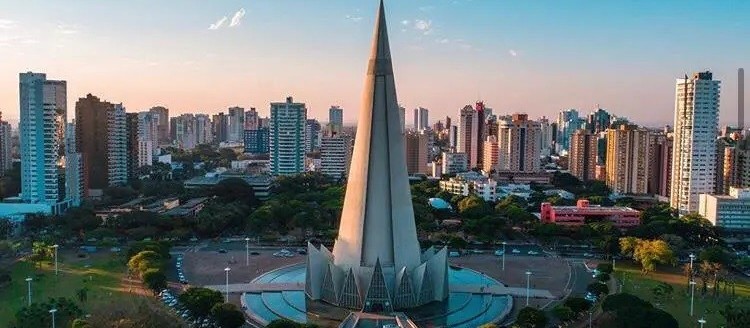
28 298
53 311
590 318
613 263
247 251
504 243
56 246
528 284
692 294
692 258
702 322
226 270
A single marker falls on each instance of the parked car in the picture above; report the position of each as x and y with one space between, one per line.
454 254
222 251
515 251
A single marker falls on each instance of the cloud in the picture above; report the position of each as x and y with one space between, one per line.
513 53
424 26
237 18
354 18
405 22
7 24
219 23
66 29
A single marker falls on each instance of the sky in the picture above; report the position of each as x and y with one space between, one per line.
536 57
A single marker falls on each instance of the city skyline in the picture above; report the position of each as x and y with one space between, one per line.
532 49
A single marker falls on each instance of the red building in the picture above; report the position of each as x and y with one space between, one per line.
582 213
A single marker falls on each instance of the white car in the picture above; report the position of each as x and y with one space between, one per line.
515 251
499 252
533 253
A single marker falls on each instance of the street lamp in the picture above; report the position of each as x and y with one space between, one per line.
528 281
53 311
692 258
590 318
55 246
504 243
692 294
613 263
28 282
227 269
247 251
702 322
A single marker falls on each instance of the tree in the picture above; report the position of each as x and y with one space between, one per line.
662 291
227 315
473 207
6 227
604 267
737 313
603 277
647 252
714 254
40 251
155 280
577 304
563 313
530 317
6 248
200 301
144 261
633 312
37 314
597 288
283 323
235 190
82 294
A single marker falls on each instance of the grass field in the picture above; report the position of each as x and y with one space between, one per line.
102 274
634 282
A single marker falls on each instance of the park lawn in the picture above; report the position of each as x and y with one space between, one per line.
102 274
634 282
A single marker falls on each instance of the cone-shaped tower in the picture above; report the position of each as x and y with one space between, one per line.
377 234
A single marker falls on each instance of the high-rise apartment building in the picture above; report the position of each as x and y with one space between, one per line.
287 137
102 141
74 189
402 116
6 155
203 130
256 141
582 155
335 155
598 121
481 133
132 145
627 159
491 154
312 135
518 142
162 122
251 119
568 122
660 164
696 122
468 141
236 132
220 124
42 136
417 144
421 118
336 119
183 129
148 133
546 140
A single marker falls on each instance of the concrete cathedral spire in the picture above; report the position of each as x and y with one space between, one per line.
376 264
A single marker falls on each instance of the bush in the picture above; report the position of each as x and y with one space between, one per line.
597 288
577 304
530 317
603 277
227 315
563 313
200 301
604 267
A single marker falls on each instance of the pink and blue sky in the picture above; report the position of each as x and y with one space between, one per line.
536 57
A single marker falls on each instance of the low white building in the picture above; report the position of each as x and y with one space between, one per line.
731 212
